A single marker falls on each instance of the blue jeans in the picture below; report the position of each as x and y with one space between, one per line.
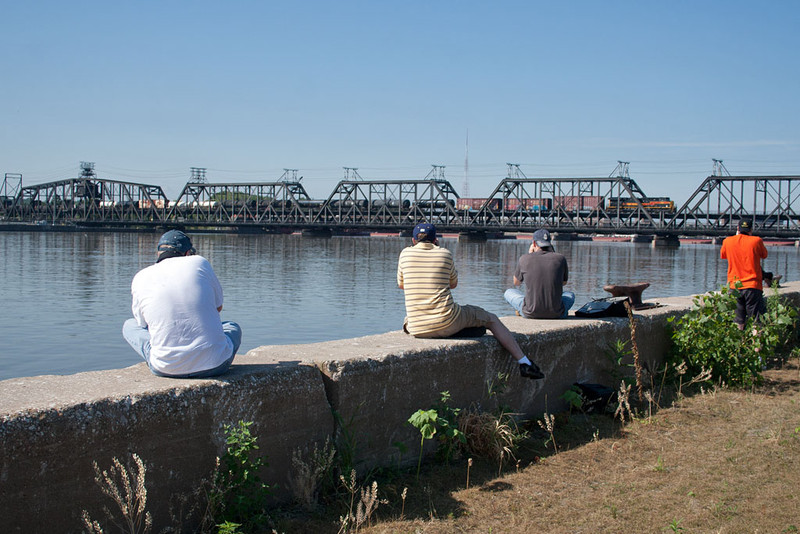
139 338
516 298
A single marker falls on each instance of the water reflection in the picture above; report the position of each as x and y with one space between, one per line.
67 294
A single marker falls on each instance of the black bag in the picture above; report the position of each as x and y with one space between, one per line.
595 397
607 307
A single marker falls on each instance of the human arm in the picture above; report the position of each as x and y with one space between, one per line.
453 274
215 284
400 275
136 305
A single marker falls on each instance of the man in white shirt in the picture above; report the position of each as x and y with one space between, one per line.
176 325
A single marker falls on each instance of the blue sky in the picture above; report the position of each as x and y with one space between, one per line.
148 89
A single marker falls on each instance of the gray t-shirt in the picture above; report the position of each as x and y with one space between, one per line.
544 273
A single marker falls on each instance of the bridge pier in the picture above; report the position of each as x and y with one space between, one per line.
665 241
561 236
639 238
474 237
317 232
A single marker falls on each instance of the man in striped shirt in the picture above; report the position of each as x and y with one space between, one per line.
426 274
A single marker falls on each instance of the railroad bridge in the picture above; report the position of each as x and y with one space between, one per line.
593 205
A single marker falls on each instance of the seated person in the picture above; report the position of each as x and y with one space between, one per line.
176 325
544 272
426 274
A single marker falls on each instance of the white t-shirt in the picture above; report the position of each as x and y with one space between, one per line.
177 301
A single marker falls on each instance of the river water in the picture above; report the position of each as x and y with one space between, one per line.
66 295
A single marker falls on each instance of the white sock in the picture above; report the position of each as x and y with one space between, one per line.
524 359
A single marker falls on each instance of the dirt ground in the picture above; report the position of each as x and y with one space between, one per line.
720 461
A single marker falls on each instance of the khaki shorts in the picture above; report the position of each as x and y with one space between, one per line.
470 316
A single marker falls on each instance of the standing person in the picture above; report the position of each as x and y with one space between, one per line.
426 274
744 253
176 326
544 272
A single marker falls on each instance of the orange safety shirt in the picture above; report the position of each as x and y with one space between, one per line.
744 254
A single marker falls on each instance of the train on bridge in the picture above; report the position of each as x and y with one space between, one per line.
607 205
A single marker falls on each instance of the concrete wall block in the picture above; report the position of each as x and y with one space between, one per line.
375 397
46 459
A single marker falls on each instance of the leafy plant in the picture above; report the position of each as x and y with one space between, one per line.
228 527
616 353
573 397
441 420
707 338
238 492
675 525
425 422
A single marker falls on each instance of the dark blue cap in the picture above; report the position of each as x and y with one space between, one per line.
177 241
427 231
542 238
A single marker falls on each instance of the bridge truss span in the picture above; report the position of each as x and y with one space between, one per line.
598 205
281 204
90 200
391 205
720 202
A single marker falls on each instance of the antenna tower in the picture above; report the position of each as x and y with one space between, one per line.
466 167
198 175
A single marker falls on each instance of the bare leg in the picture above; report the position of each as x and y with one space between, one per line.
505 337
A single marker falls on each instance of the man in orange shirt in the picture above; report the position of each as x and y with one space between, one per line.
744 253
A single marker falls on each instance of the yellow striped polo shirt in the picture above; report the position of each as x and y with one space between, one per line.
426 272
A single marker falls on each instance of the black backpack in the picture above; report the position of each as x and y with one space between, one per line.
606 307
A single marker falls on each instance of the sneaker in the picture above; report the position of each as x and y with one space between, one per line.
531 371
518 314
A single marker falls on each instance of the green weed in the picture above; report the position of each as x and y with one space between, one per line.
707 338
238 493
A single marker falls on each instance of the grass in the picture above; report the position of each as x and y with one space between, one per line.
716 461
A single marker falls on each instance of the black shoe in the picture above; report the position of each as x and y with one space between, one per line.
530 370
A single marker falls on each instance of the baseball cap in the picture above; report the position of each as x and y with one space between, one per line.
542 238
744 226
426 230
177 241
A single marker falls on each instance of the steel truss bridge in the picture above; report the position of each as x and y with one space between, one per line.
607 205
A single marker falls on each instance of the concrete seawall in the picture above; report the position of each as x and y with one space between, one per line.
53 427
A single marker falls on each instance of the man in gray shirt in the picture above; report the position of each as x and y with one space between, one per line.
544 273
